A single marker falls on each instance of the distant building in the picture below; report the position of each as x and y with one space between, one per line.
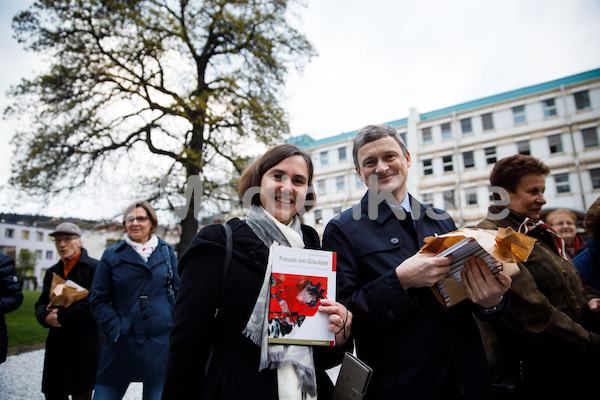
19 232
17 236
454 149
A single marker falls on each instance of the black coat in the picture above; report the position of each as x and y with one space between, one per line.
73 350
233 372
11 298
416 347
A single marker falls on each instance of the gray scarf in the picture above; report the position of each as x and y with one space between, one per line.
276 355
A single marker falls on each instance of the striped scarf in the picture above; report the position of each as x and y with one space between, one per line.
529 224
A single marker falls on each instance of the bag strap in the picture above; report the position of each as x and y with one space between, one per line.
228 253
226 262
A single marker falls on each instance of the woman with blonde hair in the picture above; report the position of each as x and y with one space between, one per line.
132 298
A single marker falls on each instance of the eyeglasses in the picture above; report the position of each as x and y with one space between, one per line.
140 220
64 240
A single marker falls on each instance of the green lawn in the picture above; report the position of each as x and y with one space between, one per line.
23 328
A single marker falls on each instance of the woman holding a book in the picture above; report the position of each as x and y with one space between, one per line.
219 343
547 344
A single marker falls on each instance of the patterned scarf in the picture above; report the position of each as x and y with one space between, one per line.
295 364
143 249
529 224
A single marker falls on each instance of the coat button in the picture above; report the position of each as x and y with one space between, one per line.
390 314
149 277
146 317
394 240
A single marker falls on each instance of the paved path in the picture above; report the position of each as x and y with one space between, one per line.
21 378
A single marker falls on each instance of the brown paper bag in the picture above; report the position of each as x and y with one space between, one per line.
504 245
64 293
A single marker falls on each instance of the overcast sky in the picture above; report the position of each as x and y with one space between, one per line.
379 58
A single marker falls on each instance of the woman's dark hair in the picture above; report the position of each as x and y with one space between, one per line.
592 220
507 172
252 175
149 210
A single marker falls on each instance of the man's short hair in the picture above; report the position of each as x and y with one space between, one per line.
371 133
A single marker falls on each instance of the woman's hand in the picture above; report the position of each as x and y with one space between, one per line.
594 305
340 320
481 286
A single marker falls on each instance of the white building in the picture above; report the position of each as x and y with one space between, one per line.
454 149
17 236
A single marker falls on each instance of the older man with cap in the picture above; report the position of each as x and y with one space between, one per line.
73 344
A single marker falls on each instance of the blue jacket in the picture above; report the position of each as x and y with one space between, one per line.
588 264
416 347
11 298
131 302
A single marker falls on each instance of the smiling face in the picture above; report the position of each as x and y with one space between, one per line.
138 230
564 225
283 188
383 162
528 197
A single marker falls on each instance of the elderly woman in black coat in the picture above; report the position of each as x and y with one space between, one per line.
278 185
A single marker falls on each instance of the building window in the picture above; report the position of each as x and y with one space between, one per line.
359 182
562 183
487 121
449 201
25 235
337 210
38 254
595 176
582 100
49 254
446 131
555 143
403 136
519 114
468 159
447 161
40 236
324 158
465 125
342 154
427 199
523 147
426 133
318 216
9 233
471 196
590 137
321 186
428 167
490 155
549 107
339 182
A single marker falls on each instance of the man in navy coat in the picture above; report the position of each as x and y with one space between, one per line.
417 348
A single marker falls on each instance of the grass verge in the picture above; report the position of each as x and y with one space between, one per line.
24 331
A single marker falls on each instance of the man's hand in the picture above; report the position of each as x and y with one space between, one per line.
594 305
52 318
422 270
481 286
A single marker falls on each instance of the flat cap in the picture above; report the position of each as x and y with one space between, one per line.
68 228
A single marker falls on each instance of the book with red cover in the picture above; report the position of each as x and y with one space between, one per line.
300 278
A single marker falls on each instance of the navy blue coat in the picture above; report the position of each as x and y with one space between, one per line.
416 347
130 301
11 298
588 264
73 350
